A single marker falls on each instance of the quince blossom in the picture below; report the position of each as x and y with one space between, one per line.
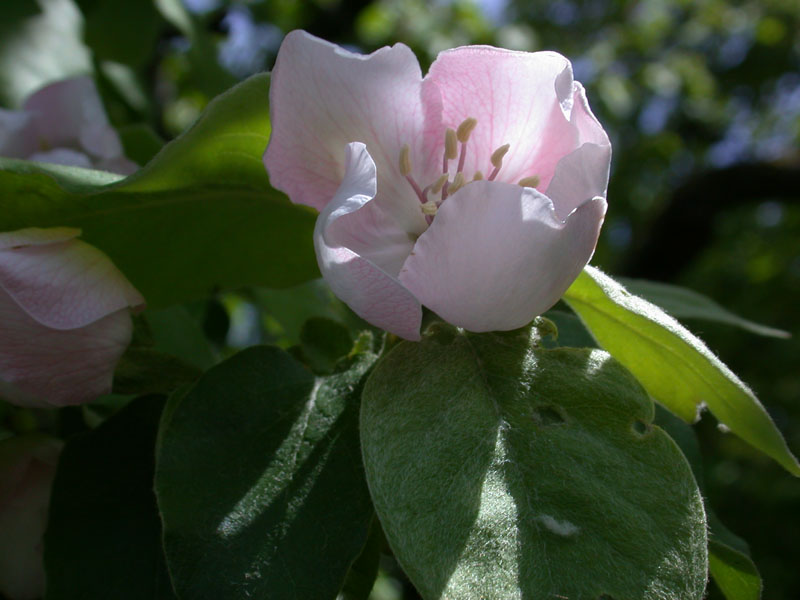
477 191
64 123
64 318
27 468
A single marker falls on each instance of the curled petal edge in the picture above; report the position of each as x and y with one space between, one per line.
372 293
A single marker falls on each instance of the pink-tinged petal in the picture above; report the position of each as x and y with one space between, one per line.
65 284
69 113
18 137
496 255
583 173
41 366
590 131
34 236
27 468
353 238
118 164
519 98
323 97
63 156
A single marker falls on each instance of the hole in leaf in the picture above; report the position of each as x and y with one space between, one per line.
548 415
641 428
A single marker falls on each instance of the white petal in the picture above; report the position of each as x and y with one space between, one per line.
496 255
70 114
41 366
518 98
64 284
18 138
358 249
582 174
323 97
63 156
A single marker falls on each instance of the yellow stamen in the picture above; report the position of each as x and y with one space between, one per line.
530 182
429 208
437 186
450 144
465 129
478 176
457 183
497 155
405 161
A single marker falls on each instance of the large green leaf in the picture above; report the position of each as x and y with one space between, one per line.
104 534
260 483
728 555
683 303
674 366
199 217
500 470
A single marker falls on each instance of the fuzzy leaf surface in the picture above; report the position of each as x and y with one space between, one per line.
501 470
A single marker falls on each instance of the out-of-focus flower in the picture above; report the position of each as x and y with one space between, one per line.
64 123
27 467
478 191
64 318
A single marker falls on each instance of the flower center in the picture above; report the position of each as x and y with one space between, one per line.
431 196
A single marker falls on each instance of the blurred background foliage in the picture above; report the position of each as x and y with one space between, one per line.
702 103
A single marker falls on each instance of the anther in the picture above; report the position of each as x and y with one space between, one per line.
450 144
429 208
457 183
530 182
478 176
497 155
437 185
497 160
405 170
465 129
405 161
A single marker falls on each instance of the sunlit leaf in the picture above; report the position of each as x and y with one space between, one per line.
674 366
259 480
500 470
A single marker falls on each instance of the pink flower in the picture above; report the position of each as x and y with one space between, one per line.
27 467
64 123
64 318
477 191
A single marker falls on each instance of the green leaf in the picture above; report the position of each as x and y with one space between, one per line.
728 555
361 577
121 30
40 42
148 371
260 483
174 331
571 332
140 142
674 366
733 571
683 303
324 342
104 533
286 311
199 217
500 470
